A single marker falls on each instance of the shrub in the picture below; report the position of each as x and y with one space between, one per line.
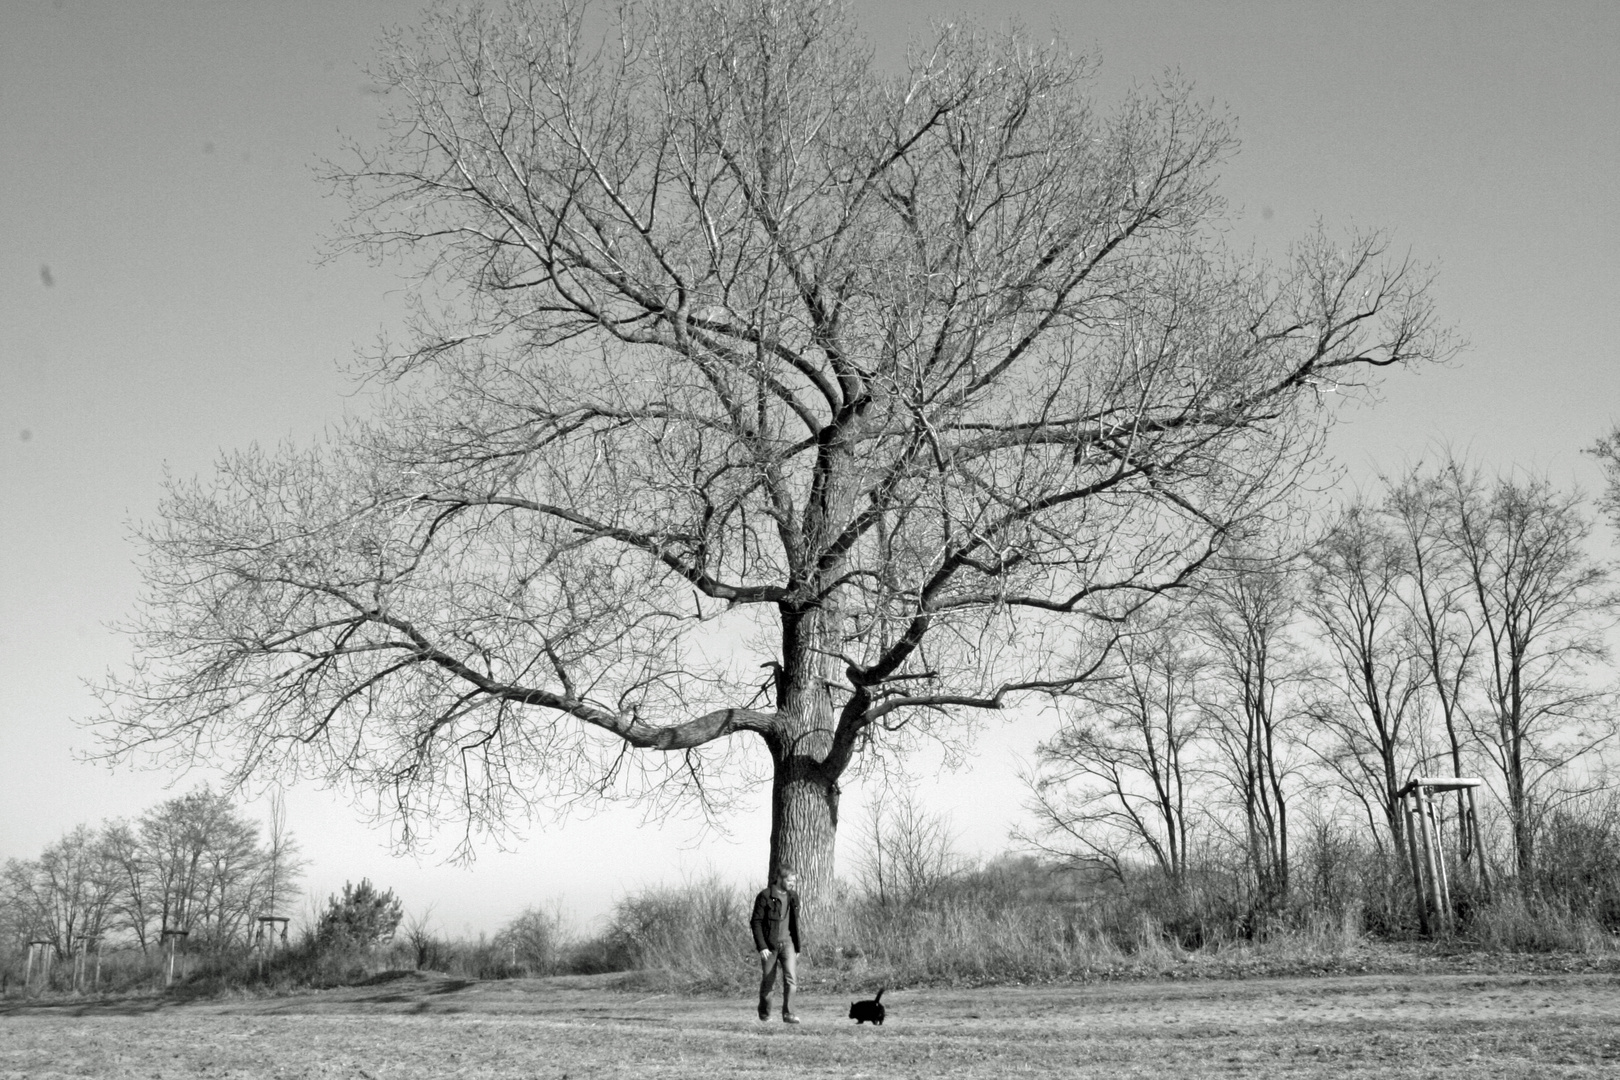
362 917
1578 861
533 942
694 935
1515 923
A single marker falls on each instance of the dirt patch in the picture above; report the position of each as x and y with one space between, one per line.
413 1027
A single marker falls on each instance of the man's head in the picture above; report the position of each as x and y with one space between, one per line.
787 879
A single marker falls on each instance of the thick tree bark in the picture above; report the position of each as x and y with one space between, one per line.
804 824
804 792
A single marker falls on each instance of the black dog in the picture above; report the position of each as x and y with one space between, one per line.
862 1011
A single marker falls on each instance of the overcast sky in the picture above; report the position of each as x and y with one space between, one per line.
162 300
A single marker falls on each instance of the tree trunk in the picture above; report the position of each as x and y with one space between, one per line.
804 824
804 792
804 789
1519 811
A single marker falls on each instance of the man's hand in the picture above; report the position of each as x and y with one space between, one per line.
764 954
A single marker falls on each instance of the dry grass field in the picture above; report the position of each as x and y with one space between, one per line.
420 1026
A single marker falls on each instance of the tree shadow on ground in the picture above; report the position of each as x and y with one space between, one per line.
123 1005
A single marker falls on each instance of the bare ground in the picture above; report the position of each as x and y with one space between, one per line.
419 1026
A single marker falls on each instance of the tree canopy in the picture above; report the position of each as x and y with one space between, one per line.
734 349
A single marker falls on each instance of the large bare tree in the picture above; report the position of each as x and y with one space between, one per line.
192 863
1367 711
1539 606
734 349
1118 776
1248 616
1443 636
65 897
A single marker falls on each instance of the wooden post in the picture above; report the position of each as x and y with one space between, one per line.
1417 866
1429 854
172 938
1444 880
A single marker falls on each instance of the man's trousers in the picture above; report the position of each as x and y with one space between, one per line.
785 959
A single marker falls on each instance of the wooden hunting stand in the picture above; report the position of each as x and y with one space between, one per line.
173 939
269 937
1423 845
45 951
82 967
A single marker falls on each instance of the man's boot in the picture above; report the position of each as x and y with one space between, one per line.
787 1006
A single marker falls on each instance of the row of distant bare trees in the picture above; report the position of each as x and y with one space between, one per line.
1453 625
195 863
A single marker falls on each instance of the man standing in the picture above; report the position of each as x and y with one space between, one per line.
776 935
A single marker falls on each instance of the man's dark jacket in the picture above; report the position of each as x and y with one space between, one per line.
776 919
